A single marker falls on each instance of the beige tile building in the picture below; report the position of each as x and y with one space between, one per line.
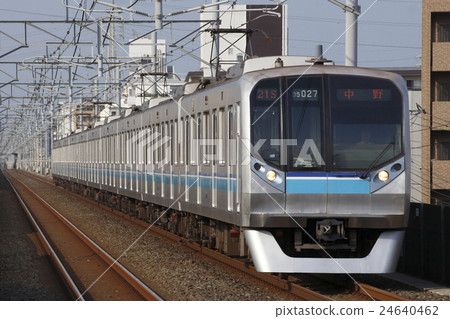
436 101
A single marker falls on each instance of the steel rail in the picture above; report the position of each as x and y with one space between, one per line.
376 293
272 280
130 278
49 249
360 288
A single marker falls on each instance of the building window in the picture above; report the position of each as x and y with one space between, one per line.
443 91
443 150
443 33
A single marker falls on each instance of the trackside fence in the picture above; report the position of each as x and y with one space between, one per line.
426 250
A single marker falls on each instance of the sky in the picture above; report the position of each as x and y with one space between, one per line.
389 31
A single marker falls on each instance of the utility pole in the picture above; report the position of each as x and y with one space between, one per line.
352 11
70 102
215 48
351 36
99 60
154 47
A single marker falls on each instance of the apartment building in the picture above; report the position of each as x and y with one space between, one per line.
436 102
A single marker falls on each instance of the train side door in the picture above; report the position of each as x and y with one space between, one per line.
158 165
187 154
231 158
192 178
221 175
205 181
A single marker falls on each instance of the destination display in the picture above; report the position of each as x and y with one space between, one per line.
374 95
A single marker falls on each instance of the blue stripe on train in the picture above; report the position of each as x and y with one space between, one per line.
306 186
348 186
330 186
205 180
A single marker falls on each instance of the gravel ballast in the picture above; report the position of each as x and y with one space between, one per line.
25 271
174 272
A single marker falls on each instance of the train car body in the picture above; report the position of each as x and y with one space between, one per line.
309 163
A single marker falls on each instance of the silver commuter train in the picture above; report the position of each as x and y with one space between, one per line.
307 165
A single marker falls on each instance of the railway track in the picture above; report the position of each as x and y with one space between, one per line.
375 293
294 291
352 291
343 287
90 272
45 244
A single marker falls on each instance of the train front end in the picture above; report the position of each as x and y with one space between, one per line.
328 183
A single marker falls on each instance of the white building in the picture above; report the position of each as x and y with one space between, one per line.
268 38
137 90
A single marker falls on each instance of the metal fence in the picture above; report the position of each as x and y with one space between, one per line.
426 249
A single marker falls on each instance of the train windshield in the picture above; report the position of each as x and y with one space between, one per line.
266 120
366 122
304 123
326 123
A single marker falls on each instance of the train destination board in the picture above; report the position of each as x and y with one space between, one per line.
374 95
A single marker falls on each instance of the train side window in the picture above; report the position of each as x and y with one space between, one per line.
204 139
163 146
119 148
128 142
196 133
187 140
132 138
221 142
122 149
230 123
124 146
213 147
144 145
142 153
135 141
126 156
230 150
104 141
149 143
139 153
100 151
106 155
199 136
115 149
156 147
181 141
111 149
128 152
140 141
170 143
175 142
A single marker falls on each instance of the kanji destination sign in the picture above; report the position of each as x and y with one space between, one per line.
373 95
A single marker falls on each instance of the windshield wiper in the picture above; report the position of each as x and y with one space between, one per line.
366 173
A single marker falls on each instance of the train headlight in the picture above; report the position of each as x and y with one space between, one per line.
383 176
271 175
